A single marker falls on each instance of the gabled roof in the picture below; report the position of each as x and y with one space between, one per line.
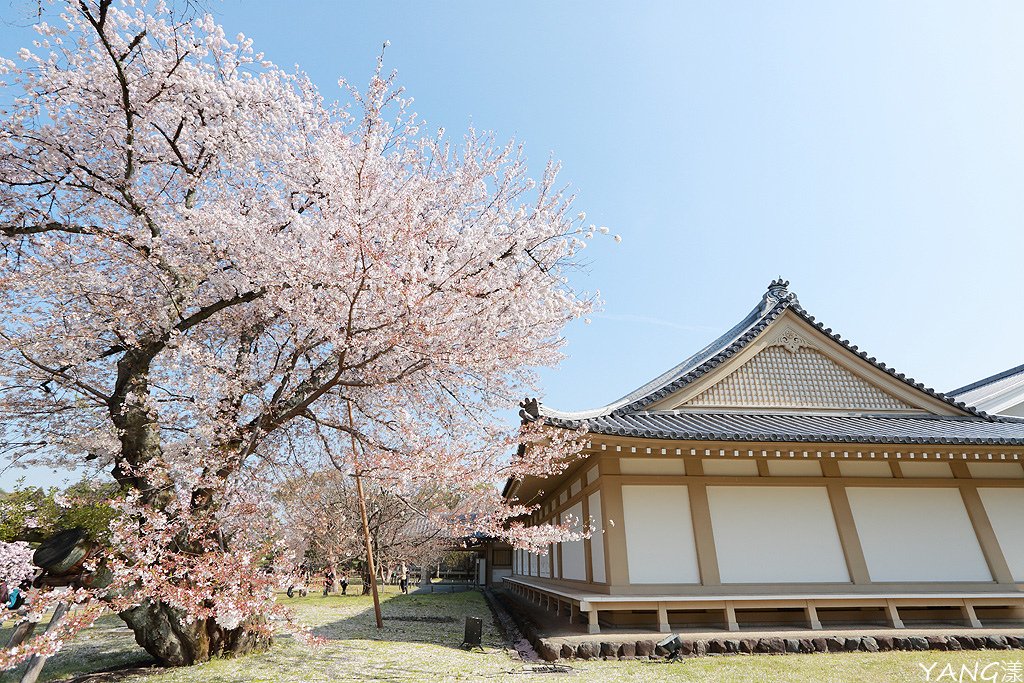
645 412
996 393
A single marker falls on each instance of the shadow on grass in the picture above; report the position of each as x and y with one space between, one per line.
107 651
430 618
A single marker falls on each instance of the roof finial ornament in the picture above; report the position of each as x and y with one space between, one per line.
530 410
778 291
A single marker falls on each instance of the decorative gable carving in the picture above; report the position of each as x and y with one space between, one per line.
791 373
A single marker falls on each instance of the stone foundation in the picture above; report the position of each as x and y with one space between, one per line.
628 647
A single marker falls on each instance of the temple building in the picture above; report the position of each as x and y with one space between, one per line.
782 476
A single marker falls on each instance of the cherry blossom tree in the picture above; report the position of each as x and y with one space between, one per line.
15 563
204 264
321 512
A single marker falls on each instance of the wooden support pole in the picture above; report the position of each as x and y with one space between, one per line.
366 524
35 665
592 621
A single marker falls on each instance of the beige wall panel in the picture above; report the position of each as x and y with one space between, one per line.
545 562
917 534
597 540
653 466
996 470
924 470
573 563
867 468
659 535
592 475
794 468
1005 509
576 487
777 534
746 467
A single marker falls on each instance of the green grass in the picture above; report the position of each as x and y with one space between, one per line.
420 641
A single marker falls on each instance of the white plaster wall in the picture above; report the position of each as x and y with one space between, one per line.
996 470
659 535
865 468
746 467
545 562
574 564
597 539
776 534
921 470
576 487
917 534
651 466
592 475
794 468
1005 509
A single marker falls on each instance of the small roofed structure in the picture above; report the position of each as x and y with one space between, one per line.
782 475
1001 394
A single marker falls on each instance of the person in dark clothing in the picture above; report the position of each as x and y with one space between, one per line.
404 583
344 583
328 581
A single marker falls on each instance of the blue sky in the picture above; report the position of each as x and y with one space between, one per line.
872 153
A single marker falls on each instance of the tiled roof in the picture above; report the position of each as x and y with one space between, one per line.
773 304
797 427
995 392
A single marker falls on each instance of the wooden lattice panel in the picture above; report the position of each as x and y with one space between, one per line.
779 377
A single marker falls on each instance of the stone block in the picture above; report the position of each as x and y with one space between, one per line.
547 651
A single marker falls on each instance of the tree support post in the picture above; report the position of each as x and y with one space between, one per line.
366 523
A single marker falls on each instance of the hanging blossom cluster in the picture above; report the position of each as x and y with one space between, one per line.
209 270
15 563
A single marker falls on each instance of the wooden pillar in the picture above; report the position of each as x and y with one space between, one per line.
847 529
663 626
812 616
592 620
893 615
574 612
994 557
730 618
614 529
970 617
587 556
703 535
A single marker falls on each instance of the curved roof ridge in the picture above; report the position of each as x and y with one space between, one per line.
777 298
775 301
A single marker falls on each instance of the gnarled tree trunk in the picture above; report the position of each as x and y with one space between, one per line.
163 632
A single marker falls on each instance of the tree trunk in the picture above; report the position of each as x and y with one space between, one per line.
164 633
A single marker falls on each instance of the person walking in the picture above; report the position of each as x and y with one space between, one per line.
344 583
328 580
403 583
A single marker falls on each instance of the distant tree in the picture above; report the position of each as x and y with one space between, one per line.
32 513
321 512
202 260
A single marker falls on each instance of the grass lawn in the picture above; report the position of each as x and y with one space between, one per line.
420 643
